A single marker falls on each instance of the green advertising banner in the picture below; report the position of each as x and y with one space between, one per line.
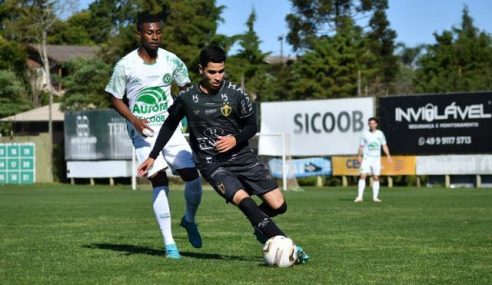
96 135
17 163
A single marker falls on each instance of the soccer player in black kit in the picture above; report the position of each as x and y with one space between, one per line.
221 120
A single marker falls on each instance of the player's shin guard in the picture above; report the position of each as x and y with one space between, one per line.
258 219
163 213
375 190
273 212
193 197
362 186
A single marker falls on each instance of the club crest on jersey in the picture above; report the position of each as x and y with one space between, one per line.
167 79
221 187
226 110
150 101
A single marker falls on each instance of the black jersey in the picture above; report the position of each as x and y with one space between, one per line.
210 116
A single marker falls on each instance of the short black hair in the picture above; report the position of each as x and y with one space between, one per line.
145 18
212 54
373 119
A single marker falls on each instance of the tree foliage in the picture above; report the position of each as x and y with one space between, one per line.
340 57
85 84
460 60
248 66
13 94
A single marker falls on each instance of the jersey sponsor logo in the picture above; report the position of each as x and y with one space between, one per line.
373 146
210 111
167 79
224 97
135 80
195 98
150 102
226 110
213 132
209 136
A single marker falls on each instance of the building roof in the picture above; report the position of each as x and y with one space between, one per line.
38 115
64 53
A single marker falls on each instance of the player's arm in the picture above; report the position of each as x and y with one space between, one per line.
248 130
176 113
360 152
387 152
120 106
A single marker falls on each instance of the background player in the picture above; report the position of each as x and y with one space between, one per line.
145 75
221 121
370 159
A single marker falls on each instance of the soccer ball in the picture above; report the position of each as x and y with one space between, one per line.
280 251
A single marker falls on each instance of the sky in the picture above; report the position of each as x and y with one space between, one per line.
415 21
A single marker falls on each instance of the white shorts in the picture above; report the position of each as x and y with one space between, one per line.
371 165
176 153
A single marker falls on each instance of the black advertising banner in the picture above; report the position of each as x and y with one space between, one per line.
96 135
437 124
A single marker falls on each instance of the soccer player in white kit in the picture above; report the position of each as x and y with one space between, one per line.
369 157
145 76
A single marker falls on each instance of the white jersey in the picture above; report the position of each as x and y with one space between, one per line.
148 86
372 143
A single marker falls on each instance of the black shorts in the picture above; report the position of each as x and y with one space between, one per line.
244 172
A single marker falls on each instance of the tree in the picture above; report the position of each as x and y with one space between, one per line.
12 57
248 66
312 19
381 42
73 31
339 56
85 84
13 94
32 22
460 60
333 67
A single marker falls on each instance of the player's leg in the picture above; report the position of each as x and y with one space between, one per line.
178 155
376 171
162 211
259 181
160 191
365 169
230 187
273 203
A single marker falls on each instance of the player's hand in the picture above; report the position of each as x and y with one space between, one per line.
141 124
225 143
359 159
144 168
390 160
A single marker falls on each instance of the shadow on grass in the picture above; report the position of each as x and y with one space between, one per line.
129 249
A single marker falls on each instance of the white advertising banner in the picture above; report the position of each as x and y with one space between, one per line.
99 168
454 164
317 127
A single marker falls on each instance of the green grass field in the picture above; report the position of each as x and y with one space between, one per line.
63 234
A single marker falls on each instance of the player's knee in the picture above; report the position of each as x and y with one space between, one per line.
282 209
188 174
159 179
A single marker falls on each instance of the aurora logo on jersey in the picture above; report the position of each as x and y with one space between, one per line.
373 146
150 102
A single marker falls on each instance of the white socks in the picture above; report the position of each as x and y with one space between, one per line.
193 197
362 186
162 212
375 190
